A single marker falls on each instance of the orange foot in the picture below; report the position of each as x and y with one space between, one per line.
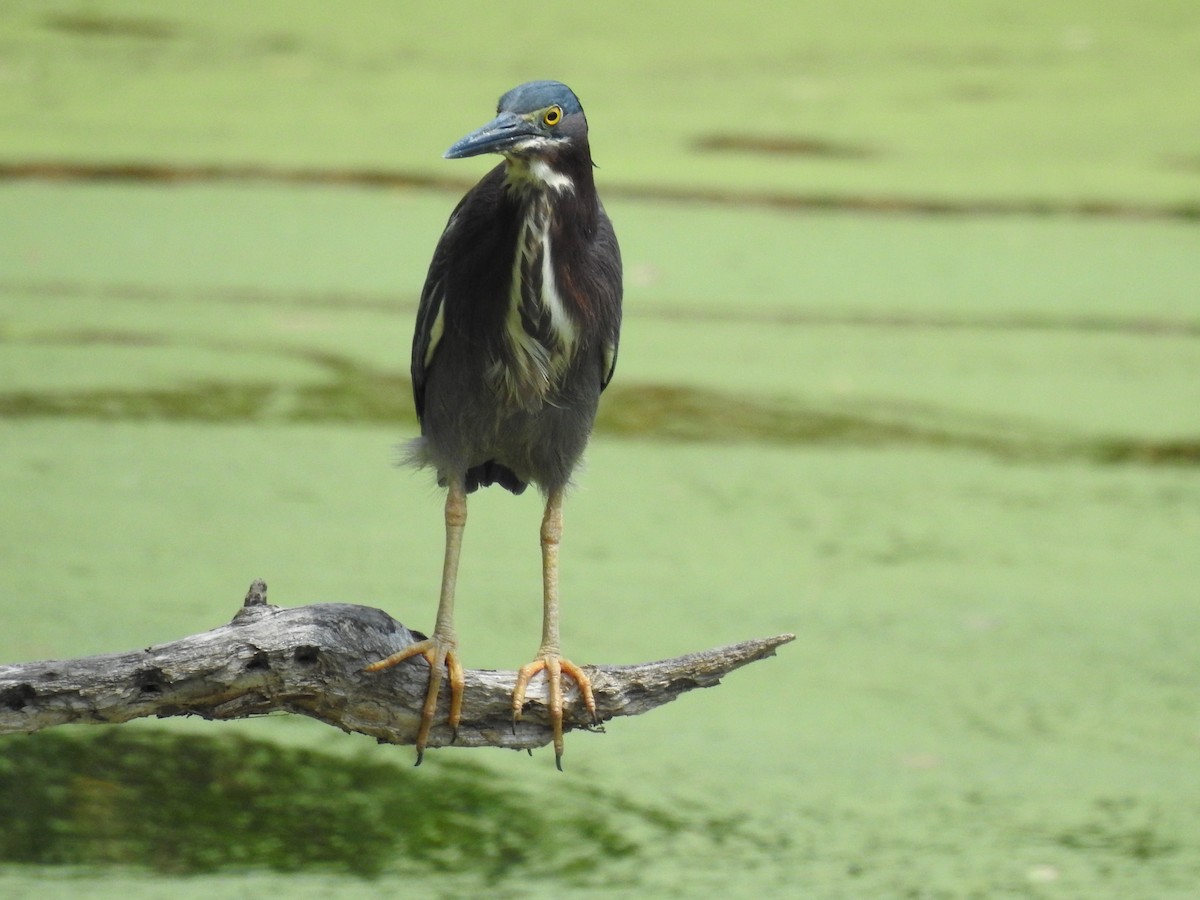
555 667
438 654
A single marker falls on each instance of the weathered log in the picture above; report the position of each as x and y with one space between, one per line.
309 660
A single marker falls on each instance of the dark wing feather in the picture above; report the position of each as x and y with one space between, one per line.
462 231
426 337
430 318
606 297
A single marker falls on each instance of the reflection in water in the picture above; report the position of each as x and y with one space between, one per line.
187 804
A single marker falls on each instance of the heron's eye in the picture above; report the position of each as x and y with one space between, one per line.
552 116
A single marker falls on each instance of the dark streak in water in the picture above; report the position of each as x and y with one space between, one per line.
355 393
88 25
166 173
781 145
389 303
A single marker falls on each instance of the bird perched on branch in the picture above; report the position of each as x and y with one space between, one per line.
516 337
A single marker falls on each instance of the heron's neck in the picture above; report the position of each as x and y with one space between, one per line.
541 333
564 177
536 176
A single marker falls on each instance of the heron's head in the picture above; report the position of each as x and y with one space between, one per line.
536 120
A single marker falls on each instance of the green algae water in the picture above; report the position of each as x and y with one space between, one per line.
991 691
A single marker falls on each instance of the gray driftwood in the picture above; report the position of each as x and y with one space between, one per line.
309 660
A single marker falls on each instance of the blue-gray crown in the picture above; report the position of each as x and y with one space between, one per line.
538 95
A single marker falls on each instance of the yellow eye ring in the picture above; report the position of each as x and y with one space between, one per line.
552 116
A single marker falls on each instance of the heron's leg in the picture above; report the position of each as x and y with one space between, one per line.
549 656
441 649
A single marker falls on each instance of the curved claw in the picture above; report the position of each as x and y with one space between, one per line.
438 654
555 667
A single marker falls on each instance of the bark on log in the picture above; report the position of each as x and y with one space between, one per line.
309 660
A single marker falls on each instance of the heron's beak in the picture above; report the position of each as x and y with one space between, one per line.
503 133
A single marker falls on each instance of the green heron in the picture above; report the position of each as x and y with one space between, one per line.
516 337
